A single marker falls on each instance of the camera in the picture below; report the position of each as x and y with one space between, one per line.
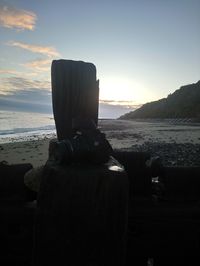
87 144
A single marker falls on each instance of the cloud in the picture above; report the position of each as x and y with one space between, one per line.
126 104
25 94
28 96
39 64
9 71
44 50
28 101
113 111
31 95
39 100
24 83
19 19
14 72
9 85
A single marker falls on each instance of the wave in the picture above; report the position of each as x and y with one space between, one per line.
27 130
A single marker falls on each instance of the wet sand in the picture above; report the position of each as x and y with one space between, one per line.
176 144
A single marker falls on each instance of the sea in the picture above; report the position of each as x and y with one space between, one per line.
24 126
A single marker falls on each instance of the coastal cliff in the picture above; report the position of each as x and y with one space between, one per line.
183 103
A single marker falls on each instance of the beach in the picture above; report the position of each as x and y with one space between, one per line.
177 143
34 152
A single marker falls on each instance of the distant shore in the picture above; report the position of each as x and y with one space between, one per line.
174 144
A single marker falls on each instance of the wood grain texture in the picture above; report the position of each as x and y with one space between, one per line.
75 94
82 216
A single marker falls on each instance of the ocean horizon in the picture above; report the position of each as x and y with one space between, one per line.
21 126
16 126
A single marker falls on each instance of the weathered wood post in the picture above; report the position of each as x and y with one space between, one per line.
82 212
75 94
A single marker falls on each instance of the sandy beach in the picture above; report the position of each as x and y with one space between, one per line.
176 144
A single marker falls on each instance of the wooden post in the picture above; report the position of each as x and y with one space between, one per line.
82 215
75 94
82 212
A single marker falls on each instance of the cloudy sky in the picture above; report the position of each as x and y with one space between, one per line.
143 49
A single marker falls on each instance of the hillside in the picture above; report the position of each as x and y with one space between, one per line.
183 103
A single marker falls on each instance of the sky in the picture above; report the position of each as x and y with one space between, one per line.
143 49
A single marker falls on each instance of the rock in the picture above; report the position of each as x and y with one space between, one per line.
172 154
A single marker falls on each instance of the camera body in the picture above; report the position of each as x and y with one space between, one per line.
86 145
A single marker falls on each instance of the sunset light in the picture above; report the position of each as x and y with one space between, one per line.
124 91
142 50
99 132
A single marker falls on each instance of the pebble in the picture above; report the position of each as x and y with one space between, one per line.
172 154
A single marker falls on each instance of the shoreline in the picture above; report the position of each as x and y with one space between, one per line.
176 145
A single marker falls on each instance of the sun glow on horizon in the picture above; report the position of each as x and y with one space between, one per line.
124 91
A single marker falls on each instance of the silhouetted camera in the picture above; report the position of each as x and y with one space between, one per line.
87 144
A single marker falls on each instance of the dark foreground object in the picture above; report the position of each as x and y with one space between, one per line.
12 183
17 212
82 215
164 228
75 94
